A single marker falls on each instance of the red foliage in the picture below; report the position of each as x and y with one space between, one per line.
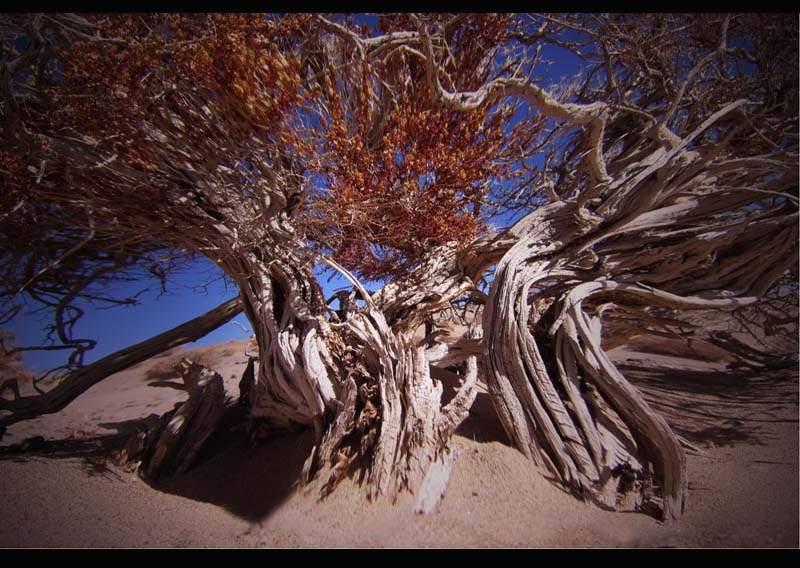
382 202
234 63
390 172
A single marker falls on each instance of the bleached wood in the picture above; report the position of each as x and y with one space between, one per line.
188 428
434 484
653 203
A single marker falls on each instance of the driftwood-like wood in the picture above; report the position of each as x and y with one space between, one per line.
393 421
174 445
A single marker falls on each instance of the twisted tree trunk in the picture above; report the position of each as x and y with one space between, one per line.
363 385
296 378
672 182
367 388
561 399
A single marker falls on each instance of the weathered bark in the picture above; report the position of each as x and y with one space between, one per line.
669 186
370 392
78 382
561 399
387 416
172 447
296 381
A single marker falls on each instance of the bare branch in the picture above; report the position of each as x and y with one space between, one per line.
77 382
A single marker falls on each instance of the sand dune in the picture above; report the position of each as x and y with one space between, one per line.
743 478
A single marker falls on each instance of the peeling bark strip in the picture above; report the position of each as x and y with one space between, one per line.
434 484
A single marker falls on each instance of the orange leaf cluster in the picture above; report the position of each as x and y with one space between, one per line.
152 67
382 203
177 98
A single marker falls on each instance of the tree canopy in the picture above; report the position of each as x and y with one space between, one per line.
167 125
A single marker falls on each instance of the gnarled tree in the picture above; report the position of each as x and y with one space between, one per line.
664 174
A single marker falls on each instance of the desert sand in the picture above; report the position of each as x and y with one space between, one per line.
743 474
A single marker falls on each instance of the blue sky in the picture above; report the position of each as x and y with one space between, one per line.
121 326
192 292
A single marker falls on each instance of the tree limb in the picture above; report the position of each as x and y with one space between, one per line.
77 382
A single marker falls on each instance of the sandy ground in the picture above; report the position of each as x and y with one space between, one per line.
743 478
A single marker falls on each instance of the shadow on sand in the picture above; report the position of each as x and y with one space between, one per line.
719 407
483 425
705 407
249 482
94 452
246 481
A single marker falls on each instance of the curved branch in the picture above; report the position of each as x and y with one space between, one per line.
593 114
696 69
